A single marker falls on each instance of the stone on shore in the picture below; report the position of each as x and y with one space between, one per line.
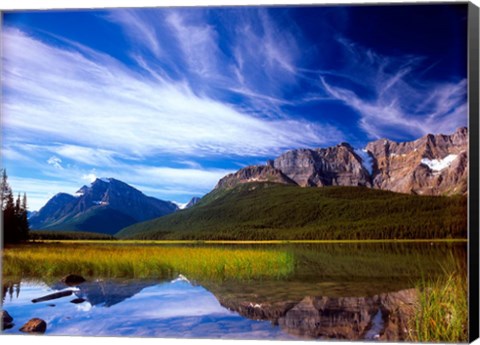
34 325
7 320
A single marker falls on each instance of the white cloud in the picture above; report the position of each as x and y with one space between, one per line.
401 102
91 104
55 162
39 191
198 44
137 29
86 155
89 177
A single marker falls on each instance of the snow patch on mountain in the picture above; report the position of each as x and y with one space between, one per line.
439 164
104 179
367 160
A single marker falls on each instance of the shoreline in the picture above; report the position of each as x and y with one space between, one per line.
160 242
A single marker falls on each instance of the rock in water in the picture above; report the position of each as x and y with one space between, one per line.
73 280
34 326
78 300
7 320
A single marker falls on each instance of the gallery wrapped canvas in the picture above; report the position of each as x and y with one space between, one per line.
250 172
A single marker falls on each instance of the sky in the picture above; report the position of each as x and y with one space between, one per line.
170 100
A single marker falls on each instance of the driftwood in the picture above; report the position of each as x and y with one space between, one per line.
55 295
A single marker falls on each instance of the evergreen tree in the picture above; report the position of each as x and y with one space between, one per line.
15 223
8 208
24 226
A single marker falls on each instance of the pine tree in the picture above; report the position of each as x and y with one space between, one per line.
24 226
4 189
8 208
15 222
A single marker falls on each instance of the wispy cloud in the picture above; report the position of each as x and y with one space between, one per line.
138 29
55 162
96 105
399 103
39 191
198 43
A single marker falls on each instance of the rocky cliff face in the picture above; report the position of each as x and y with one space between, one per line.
333 166
431 165
258 173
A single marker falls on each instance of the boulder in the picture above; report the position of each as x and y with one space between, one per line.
34 325
78 300
7 320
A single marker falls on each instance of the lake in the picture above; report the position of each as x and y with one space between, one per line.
332 291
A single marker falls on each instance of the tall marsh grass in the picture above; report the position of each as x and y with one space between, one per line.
442 314
130 261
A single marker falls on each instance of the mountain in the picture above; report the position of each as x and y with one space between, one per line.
431 165
265 201
266 211
106 206
193 201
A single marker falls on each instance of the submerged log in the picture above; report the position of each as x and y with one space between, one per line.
55 295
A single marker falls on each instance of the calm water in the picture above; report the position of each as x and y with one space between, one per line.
336 291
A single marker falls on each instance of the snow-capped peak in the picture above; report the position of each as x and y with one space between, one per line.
104 179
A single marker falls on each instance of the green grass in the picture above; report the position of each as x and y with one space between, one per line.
267 211
159 262
442 314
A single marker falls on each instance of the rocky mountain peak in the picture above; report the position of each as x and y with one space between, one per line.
337 165
255 173
432 165
103 196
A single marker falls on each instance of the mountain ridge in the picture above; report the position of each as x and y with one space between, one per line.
105 206
431 165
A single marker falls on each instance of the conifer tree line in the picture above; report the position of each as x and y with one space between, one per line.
14 212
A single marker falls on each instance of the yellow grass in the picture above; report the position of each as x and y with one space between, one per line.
142 261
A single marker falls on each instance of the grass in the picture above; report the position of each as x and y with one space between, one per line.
159 262
265 211
442 314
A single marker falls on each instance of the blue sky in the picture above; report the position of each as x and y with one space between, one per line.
170 100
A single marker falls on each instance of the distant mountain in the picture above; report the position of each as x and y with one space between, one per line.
193 201
31 214
106 206
431 165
